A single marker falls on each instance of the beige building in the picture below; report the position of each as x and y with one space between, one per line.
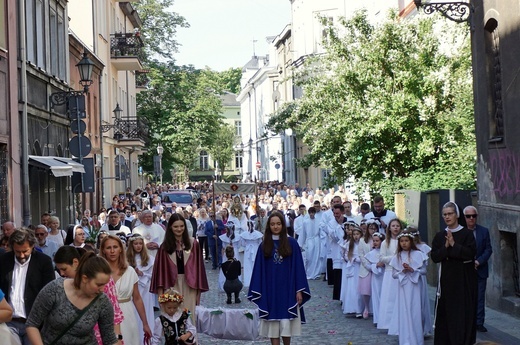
206 167
112 33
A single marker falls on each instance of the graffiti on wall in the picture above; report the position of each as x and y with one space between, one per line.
504 166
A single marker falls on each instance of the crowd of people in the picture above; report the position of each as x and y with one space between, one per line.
124 262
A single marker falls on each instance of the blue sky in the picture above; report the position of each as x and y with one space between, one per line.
221 32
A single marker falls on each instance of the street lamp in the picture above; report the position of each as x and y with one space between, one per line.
160 151
456 11
85 67
74 101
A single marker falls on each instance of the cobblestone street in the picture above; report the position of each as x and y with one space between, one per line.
326 324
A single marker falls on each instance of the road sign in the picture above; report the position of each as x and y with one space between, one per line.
258 165
277 166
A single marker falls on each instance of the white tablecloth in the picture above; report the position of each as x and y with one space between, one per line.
231 324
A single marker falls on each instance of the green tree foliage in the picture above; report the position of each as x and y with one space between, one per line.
159 27
390 105
223 150
228 80
181 110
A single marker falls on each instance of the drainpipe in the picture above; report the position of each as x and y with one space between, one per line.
25 123
102 141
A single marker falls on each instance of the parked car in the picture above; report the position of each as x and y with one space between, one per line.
182 198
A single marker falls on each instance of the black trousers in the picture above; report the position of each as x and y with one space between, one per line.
336 291
330 275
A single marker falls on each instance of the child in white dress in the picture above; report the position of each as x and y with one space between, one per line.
377 268
407 267
351 300
390 285
425 300
138 257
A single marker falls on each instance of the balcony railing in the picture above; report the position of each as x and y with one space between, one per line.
124 46
128 128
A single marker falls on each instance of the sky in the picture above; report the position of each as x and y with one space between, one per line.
221 32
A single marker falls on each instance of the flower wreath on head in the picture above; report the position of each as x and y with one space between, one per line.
134 237
170 297
405 234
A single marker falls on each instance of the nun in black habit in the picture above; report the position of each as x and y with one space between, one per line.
454 249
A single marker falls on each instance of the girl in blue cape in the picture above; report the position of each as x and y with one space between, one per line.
278 283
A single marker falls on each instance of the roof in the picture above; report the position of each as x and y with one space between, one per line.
229 99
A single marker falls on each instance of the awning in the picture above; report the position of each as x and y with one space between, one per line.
76 167
59 166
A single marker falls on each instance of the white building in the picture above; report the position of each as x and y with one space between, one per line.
267 85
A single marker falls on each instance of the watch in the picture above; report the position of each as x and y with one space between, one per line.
119 337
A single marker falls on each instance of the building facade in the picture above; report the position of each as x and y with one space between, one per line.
496 97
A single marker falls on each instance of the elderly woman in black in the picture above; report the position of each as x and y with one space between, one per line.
454 248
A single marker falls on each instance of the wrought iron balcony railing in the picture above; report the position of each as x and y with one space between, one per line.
129 128
126 45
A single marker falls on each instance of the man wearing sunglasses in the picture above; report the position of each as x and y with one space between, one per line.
484 251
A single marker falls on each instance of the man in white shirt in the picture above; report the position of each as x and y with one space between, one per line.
114 225
152 233
335 234
326 218
23 273
380 213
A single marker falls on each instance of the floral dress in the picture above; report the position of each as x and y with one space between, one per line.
110 291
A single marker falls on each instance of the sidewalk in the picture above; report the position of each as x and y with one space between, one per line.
326 324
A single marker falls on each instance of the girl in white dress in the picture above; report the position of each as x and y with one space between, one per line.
365 275
407 267
351 300
425 299
377 268
127 290
142 262
390 285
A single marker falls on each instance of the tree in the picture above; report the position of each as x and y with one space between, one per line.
390 105
181 110
223 150
159 27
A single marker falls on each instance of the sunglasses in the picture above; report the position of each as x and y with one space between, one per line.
39 235
470 216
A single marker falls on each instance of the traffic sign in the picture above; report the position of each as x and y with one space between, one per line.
258 165
277 166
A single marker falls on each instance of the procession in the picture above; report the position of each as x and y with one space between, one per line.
140 270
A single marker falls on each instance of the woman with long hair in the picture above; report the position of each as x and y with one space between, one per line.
279 284
179 265
128 296
139 258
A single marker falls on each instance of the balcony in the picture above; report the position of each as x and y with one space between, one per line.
126 51
141 80
128 131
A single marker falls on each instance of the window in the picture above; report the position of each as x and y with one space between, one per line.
239 158
494 71
238 128
203 160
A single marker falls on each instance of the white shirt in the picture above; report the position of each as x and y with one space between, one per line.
18 288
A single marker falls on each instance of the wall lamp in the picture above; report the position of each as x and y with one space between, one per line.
459 12
85 67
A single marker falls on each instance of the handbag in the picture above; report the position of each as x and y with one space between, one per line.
76 319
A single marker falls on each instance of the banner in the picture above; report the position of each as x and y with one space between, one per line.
234 188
